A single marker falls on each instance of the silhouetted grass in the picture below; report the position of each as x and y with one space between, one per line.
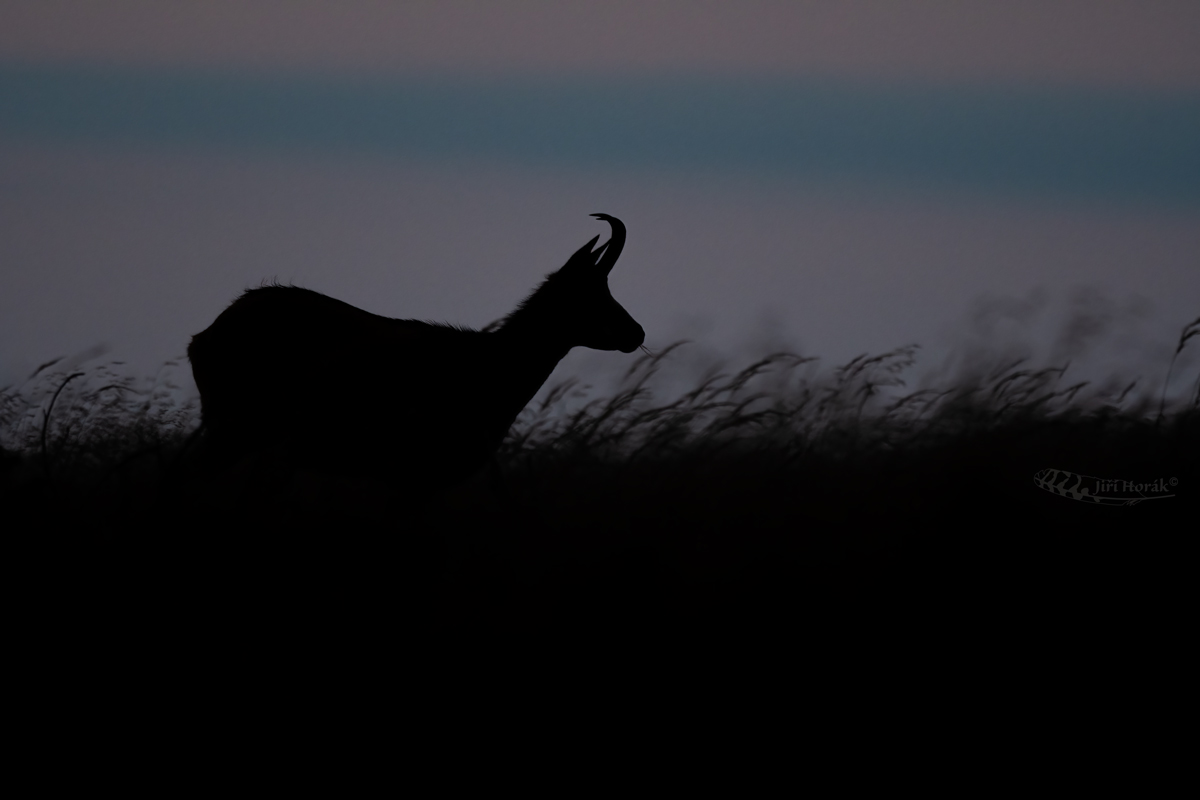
773 502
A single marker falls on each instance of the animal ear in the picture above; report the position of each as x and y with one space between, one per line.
598 252
582 259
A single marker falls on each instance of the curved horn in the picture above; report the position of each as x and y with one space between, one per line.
612 249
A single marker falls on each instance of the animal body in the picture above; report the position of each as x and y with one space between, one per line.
332 387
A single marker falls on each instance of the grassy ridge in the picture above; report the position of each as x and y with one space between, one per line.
769 504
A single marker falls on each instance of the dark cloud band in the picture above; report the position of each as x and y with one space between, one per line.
1118 145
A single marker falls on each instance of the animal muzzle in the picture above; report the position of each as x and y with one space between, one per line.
633 339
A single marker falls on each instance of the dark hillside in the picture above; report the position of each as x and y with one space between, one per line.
809 518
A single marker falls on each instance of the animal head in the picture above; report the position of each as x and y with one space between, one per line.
576 304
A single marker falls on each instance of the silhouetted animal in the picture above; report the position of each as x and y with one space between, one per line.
333 387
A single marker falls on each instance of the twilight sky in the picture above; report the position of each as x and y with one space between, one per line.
837 176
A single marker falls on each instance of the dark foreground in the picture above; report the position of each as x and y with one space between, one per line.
860 549
951 542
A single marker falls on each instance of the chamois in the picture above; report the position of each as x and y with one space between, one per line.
335 388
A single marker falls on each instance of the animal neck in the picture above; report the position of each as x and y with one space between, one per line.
529 352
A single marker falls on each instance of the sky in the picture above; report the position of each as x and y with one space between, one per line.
833 177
